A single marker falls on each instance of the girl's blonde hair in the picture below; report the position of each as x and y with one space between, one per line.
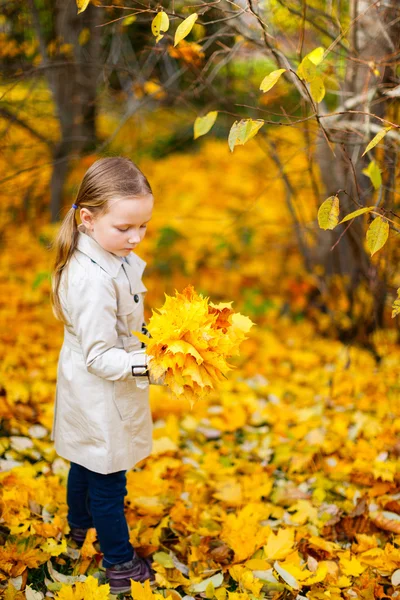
105 179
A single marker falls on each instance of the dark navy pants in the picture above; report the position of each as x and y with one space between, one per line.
96 500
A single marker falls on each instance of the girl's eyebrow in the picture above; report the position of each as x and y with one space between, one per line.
128 224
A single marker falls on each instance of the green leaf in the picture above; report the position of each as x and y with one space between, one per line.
375 140
270 80
316 55
355 213
374 173
317 89
202 125
242 131
158 24
307 70
185 28
164 559
82 5
377 234
53 586
328 213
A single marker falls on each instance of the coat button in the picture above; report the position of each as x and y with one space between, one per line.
136 298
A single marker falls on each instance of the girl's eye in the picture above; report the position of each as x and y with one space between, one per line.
141 227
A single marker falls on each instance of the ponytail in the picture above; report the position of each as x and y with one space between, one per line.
65 243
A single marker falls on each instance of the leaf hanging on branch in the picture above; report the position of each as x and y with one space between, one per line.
396 305
328 213
202 125
375 140
270 80
360 211
307 70
317 89
185 28
82 5
242 131
160 24
316 55
374 173
377 234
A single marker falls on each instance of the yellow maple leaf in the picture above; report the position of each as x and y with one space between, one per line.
190 342
343 582
169 578
257 564
303 511
88 550
229 492
329 547
318 576
280 545
143 591
242 530
247 580
238 596
52 547
350 565
86 590
67 592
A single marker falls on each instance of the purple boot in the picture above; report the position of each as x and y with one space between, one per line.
78 535
138 569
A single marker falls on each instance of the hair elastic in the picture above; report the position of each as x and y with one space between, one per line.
75 206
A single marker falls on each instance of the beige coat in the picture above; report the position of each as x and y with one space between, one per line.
102 416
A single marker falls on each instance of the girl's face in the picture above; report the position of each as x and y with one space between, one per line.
123 227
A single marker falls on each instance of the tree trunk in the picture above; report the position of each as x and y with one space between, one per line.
373 42
74 88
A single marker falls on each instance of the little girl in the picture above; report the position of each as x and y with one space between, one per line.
102 421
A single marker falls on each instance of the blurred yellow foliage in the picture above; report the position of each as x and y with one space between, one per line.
294 461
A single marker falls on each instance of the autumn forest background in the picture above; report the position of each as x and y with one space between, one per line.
260 130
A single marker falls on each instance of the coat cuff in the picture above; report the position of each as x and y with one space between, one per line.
139 371
139 364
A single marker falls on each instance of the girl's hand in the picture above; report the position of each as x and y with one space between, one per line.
145 332
142 370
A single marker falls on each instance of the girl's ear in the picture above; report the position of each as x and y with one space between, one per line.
86 218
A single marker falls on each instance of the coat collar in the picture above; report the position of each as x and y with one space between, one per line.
108 261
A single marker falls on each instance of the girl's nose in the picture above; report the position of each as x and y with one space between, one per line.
134 239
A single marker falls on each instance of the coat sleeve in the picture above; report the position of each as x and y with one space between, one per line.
92 309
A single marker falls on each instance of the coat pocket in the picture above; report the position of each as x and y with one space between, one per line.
130 314
130 399
131 298
127 305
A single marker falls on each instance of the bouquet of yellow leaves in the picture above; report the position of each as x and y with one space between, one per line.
191 339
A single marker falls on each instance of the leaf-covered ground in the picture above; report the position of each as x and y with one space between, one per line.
283 484
286 478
